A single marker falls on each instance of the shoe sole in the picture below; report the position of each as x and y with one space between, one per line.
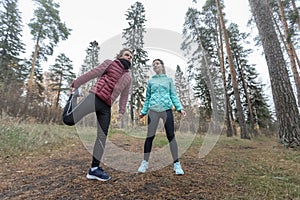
91 177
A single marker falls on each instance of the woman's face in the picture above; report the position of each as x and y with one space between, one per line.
157 67
127 55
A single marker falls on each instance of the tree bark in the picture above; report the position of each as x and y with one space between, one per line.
230 129
251 116
297 13
284 100
240 114
289 48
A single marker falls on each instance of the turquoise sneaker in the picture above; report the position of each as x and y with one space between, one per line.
143 167
177 168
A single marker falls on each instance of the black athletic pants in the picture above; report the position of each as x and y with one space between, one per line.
74 112
168 120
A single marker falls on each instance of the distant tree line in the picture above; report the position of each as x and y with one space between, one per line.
219 86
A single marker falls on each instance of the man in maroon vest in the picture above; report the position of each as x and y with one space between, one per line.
113 81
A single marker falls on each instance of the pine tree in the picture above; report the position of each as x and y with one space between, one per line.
91 61
182 87
294 15
286 109
37 88
12 73
240 114
61 76
261 110
183 93
247 78
47 30
199 31
134 40
288 36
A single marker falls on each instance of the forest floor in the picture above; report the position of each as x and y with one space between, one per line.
234 169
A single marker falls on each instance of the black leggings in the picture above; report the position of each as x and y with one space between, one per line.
73 113
168 120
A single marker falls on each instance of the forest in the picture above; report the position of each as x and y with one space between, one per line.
218 74
219 86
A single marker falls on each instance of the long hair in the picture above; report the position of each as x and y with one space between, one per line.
162 63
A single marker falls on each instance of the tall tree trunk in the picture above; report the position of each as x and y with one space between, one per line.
285 46
229 130
31 75
240 114
232 120
297 58
58 92
251 116
285 103
296 13
29 95
289 48
35 54
215 119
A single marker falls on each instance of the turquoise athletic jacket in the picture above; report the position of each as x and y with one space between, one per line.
161 95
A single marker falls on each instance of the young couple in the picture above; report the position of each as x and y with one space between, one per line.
114 80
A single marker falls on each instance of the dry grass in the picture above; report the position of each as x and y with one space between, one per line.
235 169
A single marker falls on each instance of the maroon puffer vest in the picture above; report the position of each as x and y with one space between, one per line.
105 85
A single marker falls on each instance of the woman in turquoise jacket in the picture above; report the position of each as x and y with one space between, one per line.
160 98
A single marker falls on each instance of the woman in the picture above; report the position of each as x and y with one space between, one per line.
114 79
160 98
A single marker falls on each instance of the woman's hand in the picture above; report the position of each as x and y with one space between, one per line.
141 116
183 113
119 116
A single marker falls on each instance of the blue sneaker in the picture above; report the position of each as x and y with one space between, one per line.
98 174
177 168
143 167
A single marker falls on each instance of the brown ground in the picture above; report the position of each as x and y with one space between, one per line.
60 174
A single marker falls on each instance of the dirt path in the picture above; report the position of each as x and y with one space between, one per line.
60 174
